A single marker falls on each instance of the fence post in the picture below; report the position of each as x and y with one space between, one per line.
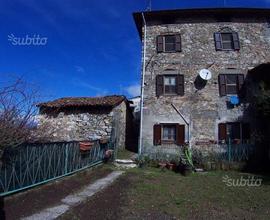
66 158
229 150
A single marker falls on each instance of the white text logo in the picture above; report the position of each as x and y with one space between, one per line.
35 40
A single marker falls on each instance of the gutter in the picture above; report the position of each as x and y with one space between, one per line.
142 86
184 121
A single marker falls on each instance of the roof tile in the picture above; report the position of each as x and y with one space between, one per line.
105 101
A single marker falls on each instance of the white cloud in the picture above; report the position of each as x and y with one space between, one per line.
133 90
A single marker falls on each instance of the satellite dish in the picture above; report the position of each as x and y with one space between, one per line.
205 74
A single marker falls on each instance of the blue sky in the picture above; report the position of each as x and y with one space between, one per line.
92 47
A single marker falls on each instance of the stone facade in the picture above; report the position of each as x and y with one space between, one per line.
82 126
79 124
203 109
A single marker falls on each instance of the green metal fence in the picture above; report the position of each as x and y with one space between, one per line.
236 152
33 164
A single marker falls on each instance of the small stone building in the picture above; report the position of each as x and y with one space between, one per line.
88 118
181 107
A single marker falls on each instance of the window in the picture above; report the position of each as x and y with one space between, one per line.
170 85
236 132
230 84
169 43
169 134
227 41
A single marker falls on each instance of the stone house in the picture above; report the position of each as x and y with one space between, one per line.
180 106
88 118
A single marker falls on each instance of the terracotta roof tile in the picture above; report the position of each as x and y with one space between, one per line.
106 101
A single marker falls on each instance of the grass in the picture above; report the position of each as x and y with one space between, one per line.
124 154
200 195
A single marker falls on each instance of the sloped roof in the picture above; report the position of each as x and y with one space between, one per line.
105 101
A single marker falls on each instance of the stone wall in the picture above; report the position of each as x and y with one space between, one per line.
79 126
203 109
84 125
120 124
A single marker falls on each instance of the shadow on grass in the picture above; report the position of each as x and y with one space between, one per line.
2 210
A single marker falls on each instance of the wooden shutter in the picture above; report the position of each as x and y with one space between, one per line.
222 131
159 85
218 41
157 134
180 89
240 83
178 43
222 84
159 44
236 42
180 134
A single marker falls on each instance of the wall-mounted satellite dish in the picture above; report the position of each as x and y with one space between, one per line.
205 74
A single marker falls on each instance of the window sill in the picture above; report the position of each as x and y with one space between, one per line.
170 52
229 95
169 95
228 50
167 142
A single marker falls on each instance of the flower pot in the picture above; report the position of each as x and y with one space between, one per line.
103 141
162 165
170 166
187 170
85 146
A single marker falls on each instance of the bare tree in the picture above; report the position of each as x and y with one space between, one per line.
17 114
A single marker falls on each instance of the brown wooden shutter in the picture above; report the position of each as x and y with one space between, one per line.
240 83
218 41
180 134
157 134
236 42
159 44
222 131
222 84
180 85
159 85
178 43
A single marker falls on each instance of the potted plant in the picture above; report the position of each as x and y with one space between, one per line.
187 169
143 161
186 166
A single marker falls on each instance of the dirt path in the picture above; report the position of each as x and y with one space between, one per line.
112 203
32 201
74 199
104 205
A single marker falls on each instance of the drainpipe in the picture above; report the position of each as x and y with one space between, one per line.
184 121
142 86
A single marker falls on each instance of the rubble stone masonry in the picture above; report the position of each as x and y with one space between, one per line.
202 108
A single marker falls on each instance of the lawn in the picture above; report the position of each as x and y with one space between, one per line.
200 195
150 193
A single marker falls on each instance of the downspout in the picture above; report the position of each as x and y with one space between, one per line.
142 86
184 121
